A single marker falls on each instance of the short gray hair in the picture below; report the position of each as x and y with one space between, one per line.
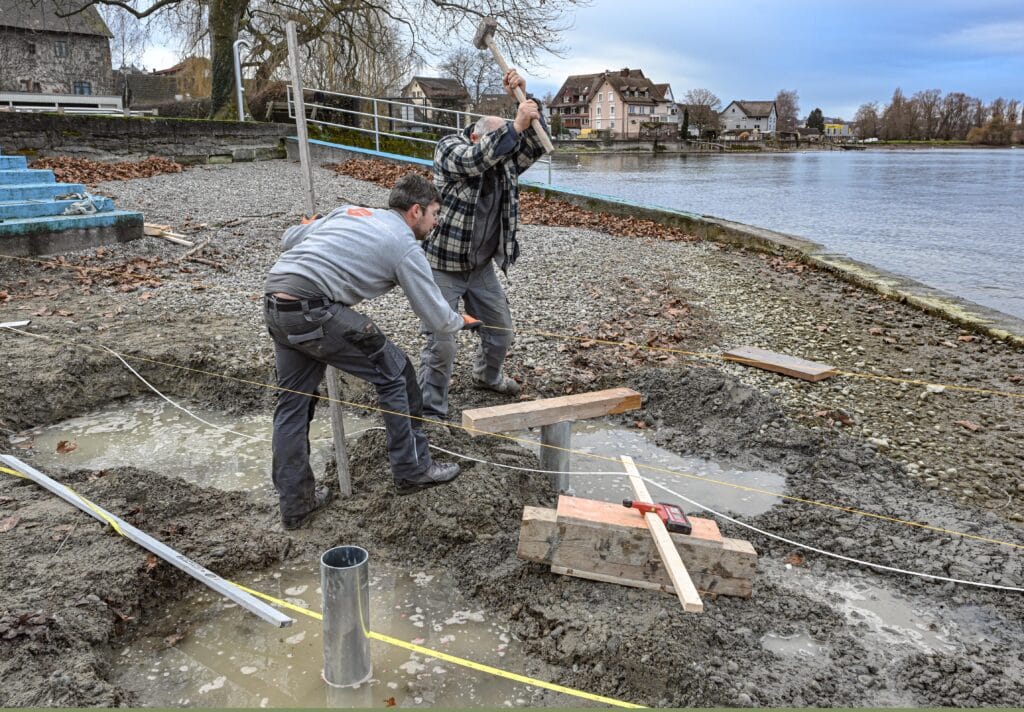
486 124
412 189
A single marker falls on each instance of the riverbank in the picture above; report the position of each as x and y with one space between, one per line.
899 450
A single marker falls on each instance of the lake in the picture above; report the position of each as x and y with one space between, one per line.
950 218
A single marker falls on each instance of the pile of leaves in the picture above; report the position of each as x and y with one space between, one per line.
533 209
82 170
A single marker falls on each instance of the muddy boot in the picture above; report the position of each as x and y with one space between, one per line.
436 474
321 498
504 385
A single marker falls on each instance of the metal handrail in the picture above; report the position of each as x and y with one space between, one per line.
462 118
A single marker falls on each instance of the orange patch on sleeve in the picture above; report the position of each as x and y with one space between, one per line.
359 212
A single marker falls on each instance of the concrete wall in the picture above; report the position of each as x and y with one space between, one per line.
108 138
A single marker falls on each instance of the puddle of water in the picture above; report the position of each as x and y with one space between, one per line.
895 618
229 658
150 433
796 645
704 484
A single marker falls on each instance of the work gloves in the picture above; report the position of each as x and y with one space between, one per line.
470 323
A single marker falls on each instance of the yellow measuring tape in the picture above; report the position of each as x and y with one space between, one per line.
437 654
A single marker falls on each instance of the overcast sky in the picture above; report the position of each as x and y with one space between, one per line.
837 55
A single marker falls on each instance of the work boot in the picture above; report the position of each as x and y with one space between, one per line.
321 498
504 384
436 474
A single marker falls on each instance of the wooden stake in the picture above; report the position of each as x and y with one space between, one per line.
677 572
333 392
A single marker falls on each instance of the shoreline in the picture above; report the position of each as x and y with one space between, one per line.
893 286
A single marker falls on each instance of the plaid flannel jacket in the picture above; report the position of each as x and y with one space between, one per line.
458 167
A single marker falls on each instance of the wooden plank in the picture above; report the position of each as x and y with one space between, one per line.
592 510
708 585
780 363
680 577
532 414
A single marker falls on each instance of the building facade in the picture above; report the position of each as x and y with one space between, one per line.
618 103
44 53
742 115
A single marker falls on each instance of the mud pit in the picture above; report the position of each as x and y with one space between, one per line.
817 631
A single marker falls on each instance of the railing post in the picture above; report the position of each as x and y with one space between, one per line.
376 126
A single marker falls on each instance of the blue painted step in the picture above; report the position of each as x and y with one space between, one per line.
45 225
42 208
11 163
25 176
38 191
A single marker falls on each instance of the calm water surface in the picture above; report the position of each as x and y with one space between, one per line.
949 218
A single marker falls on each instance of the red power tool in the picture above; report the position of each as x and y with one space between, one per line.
673 517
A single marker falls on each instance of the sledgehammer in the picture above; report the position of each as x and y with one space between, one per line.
484 39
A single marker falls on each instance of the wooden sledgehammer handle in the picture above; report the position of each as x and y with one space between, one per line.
545 140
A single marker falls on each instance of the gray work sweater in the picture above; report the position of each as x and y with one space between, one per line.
353 254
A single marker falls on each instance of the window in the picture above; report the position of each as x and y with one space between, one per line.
598 111
24 84
611 110
83 88
36 89
611 124
60 48
31 47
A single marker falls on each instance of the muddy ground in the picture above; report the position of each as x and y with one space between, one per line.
72 593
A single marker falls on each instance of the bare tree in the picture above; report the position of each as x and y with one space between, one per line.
527 29
476 71
928 103
131 36
787 108
866 120
703 107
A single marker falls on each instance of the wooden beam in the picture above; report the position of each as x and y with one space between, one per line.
780 363
625 553
531 414
677 573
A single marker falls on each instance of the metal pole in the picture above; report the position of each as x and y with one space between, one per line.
556 457
345 582
196 571
333 392
239 89
376 127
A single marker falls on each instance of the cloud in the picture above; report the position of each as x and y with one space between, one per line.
158 57
989 38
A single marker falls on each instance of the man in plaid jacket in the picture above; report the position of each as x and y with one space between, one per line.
477 173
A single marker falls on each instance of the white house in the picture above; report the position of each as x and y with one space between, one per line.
749 115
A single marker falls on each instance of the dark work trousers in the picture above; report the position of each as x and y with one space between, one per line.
308 336
484 299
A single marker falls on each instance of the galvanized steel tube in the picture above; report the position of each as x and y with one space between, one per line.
345 581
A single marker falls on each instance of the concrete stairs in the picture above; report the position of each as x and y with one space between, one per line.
39 216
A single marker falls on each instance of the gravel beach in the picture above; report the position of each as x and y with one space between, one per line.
925 425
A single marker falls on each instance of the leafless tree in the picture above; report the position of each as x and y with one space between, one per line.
703 107
866 120
131 36
787 107
527 29
476 71
928 102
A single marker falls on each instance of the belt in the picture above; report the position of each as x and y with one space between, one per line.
273 302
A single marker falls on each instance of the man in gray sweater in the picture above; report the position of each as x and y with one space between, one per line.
330 264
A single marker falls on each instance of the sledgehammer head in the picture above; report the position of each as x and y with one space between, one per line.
485 32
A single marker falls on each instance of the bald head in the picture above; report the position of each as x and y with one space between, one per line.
484 125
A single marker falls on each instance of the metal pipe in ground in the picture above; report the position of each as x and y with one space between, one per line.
555 442
345 581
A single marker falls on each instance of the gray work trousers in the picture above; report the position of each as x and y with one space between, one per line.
483 298
307 340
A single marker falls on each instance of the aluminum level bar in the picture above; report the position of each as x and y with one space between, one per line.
196 571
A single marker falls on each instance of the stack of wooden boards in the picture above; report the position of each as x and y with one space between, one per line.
608 542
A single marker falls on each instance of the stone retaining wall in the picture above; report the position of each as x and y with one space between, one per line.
117 138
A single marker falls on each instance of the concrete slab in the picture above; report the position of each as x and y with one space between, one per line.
48 236
40 208
10 163
26 176
38 191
